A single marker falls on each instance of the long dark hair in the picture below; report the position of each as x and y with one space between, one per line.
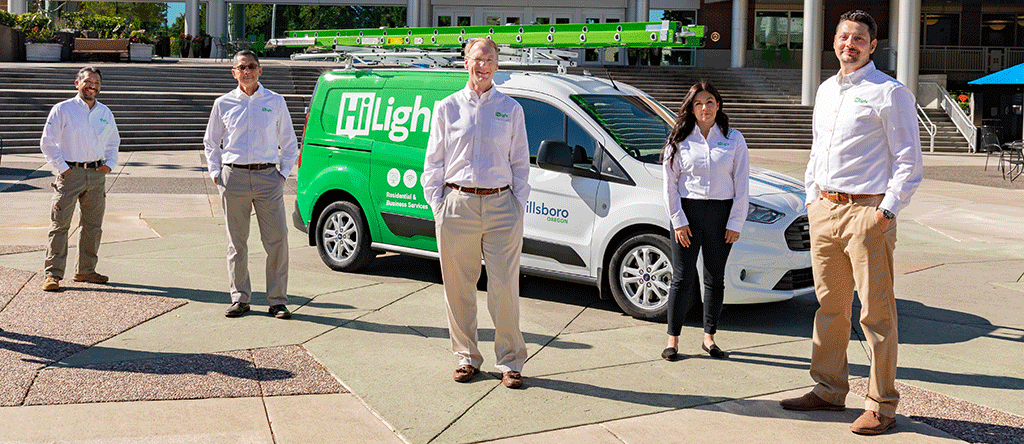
685 120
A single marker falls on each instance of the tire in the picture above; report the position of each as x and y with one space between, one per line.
640 273
342 237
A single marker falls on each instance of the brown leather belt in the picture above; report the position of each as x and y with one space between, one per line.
95 164
252 166
477 191
837 197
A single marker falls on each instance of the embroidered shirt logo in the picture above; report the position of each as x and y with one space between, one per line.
723 144
103 120
501 114
267 110
859 100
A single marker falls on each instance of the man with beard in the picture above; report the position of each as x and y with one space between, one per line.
80 140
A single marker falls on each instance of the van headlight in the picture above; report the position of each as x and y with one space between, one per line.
763 215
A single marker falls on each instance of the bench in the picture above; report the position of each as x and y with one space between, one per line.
101 46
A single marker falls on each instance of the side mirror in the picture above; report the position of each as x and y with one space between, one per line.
555 155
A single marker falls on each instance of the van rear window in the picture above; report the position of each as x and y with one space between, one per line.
638 124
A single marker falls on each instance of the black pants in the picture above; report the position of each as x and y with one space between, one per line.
707 219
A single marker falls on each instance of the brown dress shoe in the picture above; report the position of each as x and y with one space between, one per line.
465 373
872 423
93 277
51 284
512 380
809 402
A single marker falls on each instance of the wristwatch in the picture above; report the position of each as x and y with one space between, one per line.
887 214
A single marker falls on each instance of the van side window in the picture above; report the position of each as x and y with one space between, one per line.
546 122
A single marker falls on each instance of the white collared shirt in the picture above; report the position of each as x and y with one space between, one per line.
477 142
866 139
716 168
75 133
246 129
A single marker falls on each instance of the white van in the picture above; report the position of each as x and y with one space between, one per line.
595 213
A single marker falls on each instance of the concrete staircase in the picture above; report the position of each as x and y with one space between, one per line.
165 105
160 106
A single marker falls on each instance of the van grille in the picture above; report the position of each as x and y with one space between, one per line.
795 280
798 235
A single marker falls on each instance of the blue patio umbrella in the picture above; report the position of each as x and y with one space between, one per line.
1013 75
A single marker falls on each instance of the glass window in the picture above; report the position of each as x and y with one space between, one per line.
444 20
997 29
543 122
464 21
776 29
543 21
511 20
941 29
638 124
493 21
561 20
582 144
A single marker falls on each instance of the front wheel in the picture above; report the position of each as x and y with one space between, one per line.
640 273
342 238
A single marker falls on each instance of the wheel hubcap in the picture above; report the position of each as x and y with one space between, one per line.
645 276
340 236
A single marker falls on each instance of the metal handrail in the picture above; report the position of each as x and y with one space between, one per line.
963 123
930 127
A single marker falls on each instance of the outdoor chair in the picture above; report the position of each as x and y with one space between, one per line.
1011 160
989 144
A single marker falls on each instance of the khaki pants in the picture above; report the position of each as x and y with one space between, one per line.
87 187
242 190
470 226
849 251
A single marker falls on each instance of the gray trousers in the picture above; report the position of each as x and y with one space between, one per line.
87 187
468 227
242 190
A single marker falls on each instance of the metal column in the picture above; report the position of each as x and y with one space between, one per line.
813 45
739 33
908 54
192 17
17 6
894 31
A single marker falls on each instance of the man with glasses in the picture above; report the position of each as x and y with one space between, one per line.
475 179
80 140
250 150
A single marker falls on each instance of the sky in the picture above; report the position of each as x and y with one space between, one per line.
174 10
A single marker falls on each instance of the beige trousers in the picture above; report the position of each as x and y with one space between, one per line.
470 227
850 252
87 187
241 191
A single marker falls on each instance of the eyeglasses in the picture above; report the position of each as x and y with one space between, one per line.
487 61
251 67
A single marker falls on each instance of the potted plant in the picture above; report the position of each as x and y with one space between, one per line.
140 46
41 43
184 44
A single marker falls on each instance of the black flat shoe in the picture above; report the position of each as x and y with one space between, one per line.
670 354
714 351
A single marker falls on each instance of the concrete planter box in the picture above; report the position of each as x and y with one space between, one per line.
43 52
140 52
12 44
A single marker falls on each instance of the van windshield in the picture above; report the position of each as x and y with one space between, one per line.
638 124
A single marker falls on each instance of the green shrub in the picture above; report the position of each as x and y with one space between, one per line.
107 27
8 19
31 20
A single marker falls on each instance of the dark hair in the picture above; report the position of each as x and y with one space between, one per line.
685 120
82 73
860 17
249 53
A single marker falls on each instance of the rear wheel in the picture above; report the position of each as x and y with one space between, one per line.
342 238
640 273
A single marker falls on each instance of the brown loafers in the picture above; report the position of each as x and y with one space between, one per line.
94 278
872 423
465 373
51 284
512 380
810 402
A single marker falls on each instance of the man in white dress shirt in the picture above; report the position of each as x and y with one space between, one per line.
864 166
80 140
475 179
247 128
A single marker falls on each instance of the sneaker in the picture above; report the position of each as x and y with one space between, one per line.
94 278
51 284
280 311
237 309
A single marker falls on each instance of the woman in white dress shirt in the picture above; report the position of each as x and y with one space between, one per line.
707 170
